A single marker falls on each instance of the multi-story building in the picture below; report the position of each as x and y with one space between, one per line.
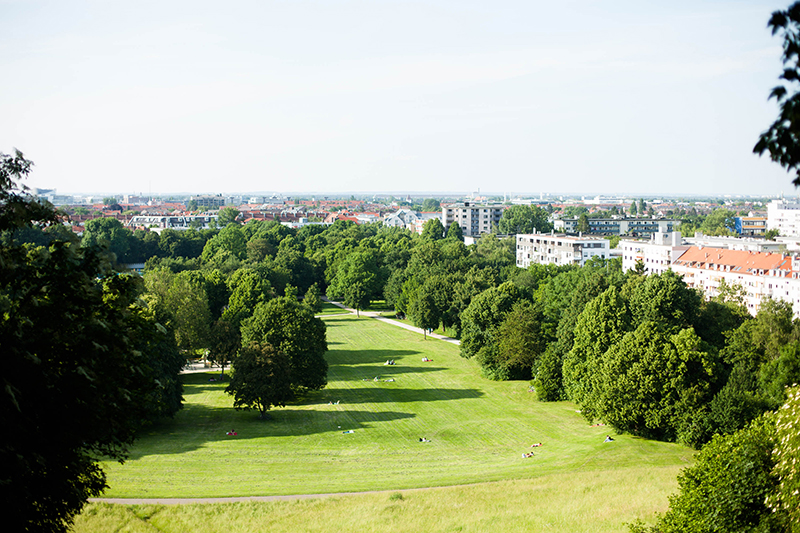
546 248
207 201
158 223
635 227
761 274
750 226
657 254
474 219
784 216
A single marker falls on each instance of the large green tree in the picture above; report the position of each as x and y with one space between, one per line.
786 497
80 361
261 379
292 329
726 488
524 219
110 233
433 229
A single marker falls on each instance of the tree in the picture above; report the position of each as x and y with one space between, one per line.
187 303
786 497
227 215
430 204
360 267
520 342
356 296
583 224
486 311
433 229
719 222
726 488
291 328
110 233
248 289
782 138
424 313
650 382
454 232
524 219
312 299
80 358
260 379
230 239
226 340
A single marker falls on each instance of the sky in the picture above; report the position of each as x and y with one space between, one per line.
302 96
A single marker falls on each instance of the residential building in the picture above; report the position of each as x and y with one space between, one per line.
158 223
784 216
558 249
761 274
635 227
750 226
656 255
473 218
748 244
403 218
207 201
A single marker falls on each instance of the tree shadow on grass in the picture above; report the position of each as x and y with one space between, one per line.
384 392
363 357
369 372
197 425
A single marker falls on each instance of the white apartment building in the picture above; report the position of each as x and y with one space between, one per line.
158 223
474 219
544 248
619 225
761 274
784 216
657 254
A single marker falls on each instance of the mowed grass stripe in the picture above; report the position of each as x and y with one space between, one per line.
478 428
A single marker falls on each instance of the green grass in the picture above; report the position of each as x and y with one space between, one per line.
379 305
568 502
478 428
330 309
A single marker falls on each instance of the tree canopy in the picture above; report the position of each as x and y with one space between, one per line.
291 328
85 365
782 139
524 219
260 379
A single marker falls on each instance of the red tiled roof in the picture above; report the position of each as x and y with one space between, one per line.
746 262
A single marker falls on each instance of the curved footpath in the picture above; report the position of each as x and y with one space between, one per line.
198 367
377 316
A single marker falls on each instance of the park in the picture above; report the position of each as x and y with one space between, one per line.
362 434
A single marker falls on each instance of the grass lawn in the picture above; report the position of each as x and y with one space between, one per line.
330 309
478 430
567 502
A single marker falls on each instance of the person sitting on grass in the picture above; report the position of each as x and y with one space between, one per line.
608 439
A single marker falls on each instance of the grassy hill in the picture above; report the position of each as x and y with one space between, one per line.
478 431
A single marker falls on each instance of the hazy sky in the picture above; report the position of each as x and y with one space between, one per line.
570 96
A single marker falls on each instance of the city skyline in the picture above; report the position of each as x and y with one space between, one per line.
314 97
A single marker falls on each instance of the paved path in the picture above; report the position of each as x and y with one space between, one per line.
377 316
234 499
